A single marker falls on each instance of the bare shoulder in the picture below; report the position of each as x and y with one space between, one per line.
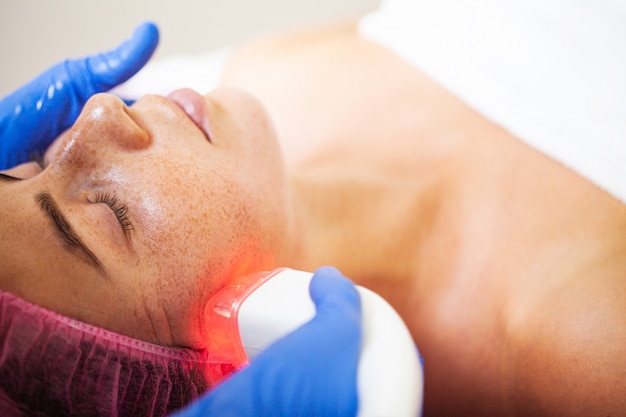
567 330
537 326
570 354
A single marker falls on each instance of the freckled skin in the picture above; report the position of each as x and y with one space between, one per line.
206 226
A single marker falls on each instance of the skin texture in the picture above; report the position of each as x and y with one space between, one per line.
155 159
507 267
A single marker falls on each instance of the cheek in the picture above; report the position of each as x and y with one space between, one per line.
194 229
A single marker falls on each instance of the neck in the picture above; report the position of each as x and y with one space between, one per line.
371 224
392 226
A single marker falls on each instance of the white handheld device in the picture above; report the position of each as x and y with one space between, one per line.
254 312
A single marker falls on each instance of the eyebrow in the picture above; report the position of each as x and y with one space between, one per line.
67 234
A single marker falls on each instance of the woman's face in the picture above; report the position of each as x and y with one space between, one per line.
141 212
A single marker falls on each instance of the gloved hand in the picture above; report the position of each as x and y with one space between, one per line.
35 114
310 372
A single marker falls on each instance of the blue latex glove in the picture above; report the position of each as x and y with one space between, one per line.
310 372
34 115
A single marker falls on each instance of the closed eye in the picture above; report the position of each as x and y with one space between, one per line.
119 208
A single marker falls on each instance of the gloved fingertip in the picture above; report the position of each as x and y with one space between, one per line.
116 66
137 50
329 286
147 34
328 271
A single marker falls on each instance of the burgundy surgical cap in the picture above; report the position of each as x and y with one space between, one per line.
54 365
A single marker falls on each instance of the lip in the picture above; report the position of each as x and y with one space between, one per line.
193 104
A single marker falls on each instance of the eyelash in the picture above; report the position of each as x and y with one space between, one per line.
119 208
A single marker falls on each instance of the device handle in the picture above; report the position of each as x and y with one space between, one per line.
390 376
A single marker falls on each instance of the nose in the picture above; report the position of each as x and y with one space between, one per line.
104 126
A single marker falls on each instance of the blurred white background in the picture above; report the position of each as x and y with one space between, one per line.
34 34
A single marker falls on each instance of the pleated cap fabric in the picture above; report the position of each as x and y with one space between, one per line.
52 365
